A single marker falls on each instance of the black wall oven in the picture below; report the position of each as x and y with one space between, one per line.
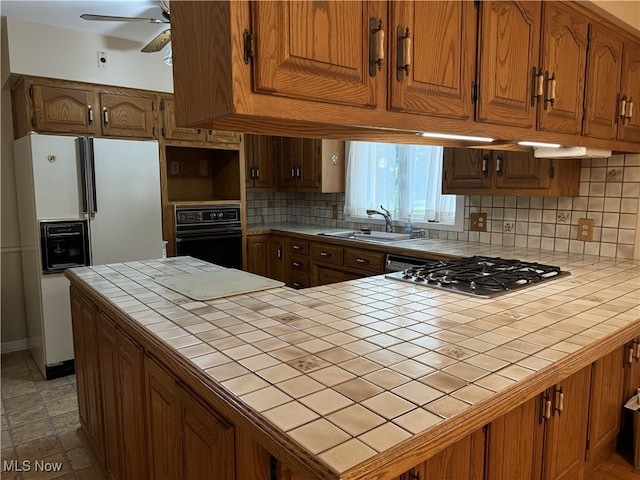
212 233
64 244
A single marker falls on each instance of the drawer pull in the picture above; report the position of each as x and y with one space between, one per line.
296 247
362 260
325 254
296 264
298 285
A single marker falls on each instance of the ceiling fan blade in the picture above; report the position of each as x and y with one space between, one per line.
111 18
159 42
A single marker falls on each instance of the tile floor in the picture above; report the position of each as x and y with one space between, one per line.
39 423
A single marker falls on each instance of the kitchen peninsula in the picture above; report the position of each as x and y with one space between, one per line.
365 379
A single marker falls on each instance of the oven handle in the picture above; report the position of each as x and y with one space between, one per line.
194 237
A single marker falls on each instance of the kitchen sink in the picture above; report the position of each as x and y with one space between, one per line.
374 237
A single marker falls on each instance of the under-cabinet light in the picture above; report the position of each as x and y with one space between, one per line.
449 136
540 144
570 152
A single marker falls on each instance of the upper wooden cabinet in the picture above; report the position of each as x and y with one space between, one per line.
260 153
63 107
311 165
441 71
509 40
613 71
484 172
561 69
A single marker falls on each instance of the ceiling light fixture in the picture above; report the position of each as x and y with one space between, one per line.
540 144
449 136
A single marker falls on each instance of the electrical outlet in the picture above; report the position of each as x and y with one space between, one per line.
478 222
103 60
184 167
174 169
585 229
334 211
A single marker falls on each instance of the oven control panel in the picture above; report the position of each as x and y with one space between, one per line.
199 215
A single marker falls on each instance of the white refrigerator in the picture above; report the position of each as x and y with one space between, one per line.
114 187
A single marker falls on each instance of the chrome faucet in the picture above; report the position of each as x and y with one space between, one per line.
386 215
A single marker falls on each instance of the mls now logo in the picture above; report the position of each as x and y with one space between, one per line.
28 465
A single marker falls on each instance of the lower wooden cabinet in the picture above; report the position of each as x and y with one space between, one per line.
186 438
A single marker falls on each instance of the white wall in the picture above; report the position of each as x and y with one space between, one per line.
42 50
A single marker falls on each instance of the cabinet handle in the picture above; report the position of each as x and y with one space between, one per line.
279 253
413 475
636 350
630 355
485 165
629 112
537 85
296 264
251 174
547 409
404 53
105 117
325 254
257 171
499 165
559 400
296 247
293 173
550 87
90 114
298 285
622 107
362 260
298 170
376 46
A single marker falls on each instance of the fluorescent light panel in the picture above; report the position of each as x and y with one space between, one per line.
540 144
448 136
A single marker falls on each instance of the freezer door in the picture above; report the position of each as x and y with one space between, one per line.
56 177
126 223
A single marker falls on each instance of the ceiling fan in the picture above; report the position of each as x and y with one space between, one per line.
155 45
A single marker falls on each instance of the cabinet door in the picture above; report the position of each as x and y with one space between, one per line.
132 409
605 407
259 159
289 163
64 109
222 137
310 158
276 254
171 131
509 43
127 116
85 338
519 170
163 423
510 444
324 276
465 169
563 56
566 431
316 50
110 395
207 442
442 69
258 254
603 80
629 129
460 461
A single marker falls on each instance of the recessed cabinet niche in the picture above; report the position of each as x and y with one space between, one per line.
202 174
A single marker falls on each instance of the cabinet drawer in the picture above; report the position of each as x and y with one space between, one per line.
327 253
297 246
364 260
298 263
299 280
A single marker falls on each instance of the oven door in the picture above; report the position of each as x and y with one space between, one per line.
64 244
222 248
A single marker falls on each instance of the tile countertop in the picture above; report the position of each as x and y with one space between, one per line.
350 370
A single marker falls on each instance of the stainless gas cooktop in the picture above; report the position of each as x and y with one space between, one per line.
484 277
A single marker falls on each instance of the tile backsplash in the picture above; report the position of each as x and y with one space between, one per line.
609 191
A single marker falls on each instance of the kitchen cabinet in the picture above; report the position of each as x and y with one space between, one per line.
612 84
65 107
508 173
296 263
461 461
122 388
439 75
561 69
88 378
605 406
334 263
311 165
261 155
265 256
508 49
372 70
187 439
631 383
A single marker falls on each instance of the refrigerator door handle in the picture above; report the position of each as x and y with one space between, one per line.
92 160
82 147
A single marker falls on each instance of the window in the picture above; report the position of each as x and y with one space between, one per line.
404 179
